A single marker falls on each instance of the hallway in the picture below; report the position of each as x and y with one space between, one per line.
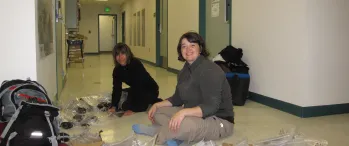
254 121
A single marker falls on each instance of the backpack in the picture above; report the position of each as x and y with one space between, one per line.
32 124
14 91
29 114
231 54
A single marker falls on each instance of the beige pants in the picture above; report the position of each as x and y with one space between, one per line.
192 129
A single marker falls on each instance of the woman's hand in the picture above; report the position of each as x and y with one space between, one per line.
152 112
128 113
155 107
176 121
112 110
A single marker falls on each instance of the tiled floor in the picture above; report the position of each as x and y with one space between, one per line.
253 121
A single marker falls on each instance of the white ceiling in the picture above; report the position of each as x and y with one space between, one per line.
119 2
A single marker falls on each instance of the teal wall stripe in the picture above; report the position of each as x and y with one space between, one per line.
202 18
303 112
324 110
277 104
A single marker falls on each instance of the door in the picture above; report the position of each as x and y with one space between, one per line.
59 58
123 27
218 21
163 28
107 33
59 52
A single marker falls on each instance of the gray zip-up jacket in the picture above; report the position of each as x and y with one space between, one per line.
203 84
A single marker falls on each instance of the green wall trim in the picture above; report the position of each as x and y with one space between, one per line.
316 111
94 53
277 104
155 65
202 18
148 62
173 70
105 52
303 112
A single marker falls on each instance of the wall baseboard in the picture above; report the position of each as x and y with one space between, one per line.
303 112
148 62
105 52
91 53
155 65
173 70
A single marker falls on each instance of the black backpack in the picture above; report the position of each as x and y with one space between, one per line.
237 73
12 92
30 117
231 54
32 124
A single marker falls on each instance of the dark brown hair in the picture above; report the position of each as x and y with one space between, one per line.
192 37
121 48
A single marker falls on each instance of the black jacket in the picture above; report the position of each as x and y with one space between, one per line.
136 76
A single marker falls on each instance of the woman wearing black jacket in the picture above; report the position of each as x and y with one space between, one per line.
143 91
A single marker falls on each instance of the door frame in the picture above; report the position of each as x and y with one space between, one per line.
116 30
123 26
202 18
157 32
159 59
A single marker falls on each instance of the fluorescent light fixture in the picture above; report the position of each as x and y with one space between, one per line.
36 134
102 0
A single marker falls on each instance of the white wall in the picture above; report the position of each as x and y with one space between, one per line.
46 66
47 75
273 35
130 7
89 21
19 49
17 39
328 24
297 50
183 16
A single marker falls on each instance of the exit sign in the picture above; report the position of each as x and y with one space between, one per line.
106 9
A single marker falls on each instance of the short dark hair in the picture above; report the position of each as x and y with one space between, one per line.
192 37
123 49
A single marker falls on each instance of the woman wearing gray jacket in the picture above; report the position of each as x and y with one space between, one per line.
201 107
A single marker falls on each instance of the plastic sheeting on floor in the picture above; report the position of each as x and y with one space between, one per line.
90 122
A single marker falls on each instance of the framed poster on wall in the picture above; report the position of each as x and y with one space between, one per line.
45 27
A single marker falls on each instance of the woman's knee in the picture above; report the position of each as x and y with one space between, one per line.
161 119
189 131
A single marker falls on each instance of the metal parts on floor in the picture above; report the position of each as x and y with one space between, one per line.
86 111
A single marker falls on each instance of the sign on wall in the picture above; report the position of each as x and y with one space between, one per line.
45 29
215 8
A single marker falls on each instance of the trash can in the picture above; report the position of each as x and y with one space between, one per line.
239 85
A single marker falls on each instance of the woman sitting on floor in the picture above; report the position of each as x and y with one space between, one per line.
143 89
201 107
